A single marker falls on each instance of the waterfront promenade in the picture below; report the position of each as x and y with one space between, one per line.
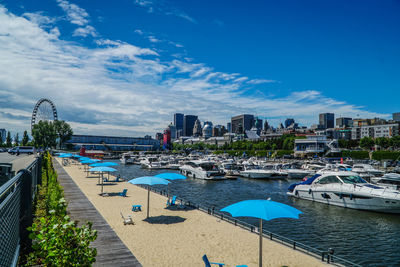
110 249
178 237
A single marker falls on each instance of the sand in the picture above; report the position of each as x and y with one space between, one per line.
180 237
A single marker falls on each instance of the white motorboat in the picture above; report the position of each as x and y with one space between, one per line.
389 180
200 169
230 169
126 158
366 170
266 172
349 190
153 163
295 172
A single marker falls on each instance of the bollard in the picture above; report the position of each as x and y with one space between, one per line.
294 245
235 223
270 236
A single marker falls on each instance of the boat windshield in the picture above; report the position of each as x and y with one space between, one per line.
352 179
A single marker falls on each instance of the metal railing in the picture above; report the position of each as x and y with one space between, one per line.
16 198
317 253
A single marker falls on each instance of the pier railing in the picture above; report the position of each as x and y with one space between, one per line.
16 198
325 256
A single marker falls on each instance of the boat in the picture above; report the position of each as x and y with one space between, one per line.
348 190
126 158
153 163
266 172
389 180
230 169
295 172
366 170
201 169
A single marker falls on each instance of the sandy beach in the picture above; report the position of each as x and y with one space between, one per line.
180 237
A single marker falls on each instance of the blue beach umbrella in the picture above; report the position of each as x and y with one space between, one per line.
83 158
171 176
149 180
103 164
264 210
65 156
102 170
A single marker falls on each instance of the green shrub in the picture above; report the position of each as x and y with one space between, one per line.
56 240
356 154
380 155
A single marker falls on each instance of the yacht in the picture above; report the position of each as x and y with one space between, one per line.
126 158
266 172
152 163
295 172
230 168
201 169
389 180
366 170
347 189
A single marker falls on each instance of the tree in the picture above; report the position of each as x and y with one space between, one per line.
366 142
16 139
64 131
44 134
25 138
8 139
383 142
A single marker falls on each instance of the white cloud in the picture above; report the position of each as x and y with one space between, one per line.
85 31
75 14
163 7
122 89
260 81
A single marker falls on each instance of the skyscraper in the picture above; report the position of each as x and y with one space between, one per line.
396 116
188 124
288 122
178 121
241 123
343 122
229 127
327 120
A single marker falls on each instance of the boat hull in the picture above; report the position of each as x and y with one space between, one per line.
351 200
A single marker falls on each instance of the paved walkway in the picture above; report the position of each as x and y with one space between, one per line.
110 249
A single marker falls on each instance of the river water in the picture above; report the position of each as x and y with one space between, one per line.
362 237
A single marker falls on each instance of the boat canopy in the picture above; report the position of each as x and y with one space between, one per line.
308 181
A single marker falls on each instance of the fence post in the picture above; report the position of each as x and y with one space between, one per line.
294 244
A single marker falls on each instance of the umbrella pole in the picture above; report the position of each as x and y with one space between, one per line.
102 183
148 200
260 256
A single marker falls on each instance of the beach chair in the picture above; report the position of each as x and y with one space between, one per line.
123 193
172 203
208 263
127 220
136 207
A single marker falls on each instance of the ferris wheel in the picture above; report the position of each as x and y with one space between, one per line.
44 110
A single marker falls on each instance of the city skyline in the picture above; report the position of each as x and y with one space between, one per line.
125 68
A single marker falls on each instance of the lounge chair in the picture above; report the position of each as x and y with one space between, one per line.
208 263
123 193
172 203
127 220
136 207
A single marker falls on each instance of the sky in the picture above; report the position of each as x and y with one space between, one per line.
125 67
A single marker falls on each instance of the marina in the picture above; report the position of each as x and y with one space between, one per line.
349 232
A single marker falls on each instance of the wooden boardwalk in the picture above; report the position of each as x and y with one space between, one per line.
110 249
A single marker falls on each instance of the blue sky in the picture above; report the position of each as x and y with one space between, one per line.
124 67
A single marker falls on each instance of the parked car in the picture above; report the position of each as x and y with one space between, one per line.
22 150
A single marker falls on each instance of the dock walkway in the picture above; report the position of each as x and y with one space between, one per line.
111 251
